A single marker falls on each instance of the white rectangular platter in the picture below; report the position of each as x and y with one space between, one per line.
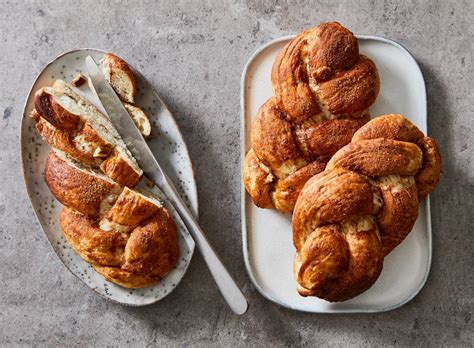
267 243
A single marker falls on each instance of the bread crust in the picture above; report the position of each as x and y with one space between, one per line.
324 139
397 127
364 204
54 113
377 157
84 145
120 76
132 260
89 241
79 189
60 140
257 181
321 71
119 170
274 142
129 210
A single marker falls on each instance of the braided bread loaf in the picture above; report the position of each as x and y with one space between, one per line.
363 205
323 89
125 234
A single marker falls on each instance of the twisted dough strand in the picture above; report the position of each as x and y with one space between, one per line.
363 205
323 88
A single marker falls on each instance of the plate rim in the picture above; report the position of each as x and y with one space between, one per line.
28 192
244 198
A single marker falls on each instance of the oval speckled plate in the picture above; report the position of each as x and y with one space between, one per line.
168 146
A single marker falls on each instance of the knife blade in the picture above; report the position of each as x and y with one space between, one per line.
151 168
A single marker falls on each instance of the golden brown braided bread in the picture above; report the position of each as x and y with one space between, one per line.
125 234
347 218
323 89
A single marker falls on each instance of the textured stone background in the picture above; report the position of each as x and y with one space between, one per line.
194 54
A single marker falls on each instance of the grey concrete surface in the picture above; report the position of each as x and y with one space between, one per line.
194 53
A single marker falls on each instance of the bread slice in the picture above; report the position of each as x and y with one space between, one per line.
139 118
72 124
120 76
91 193
131 209
79 187
62 140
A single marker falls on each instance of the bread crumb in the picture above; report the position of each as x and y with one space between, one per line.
79 80
99 153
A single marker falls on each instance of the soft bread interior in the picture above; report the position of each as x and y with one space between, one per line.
139 118
120 77
150 197
70 100
121 83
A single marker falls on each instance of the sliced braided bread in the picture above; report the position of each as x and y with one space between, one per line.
125 234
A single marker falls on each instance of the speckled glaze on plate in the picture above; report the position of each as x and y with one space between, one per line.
167 145
267 241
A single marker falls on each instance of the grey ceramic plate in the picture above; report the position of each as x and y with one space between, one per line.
169 148
268 248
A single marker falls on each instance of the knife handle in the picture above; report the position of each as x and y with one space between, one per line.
226 284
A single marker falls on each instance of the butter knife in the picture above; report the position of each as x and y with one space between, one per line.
152 170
